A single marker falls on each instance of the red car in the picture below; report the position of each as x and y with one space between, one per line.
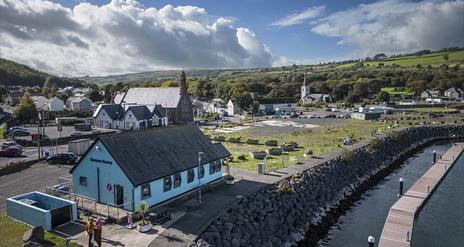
11 151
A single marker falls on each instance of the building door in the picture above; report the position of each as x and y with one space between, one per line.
118 195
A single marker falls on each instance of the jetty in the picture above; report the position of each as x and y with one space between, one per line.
398 228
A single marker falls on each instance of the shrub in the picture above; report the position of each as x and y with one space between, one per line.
347 156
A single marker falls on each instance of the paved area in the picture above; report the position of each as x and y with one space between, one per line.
35 178
398 228
31 153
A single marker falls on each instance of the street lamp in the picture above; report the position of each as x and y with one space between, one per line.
199 177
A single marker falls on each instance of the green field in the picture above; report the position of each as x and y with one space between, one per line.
434 110
320 140
398 91
12 232
434 59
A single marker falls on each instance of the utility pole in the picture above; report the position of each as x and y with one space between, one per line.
199 181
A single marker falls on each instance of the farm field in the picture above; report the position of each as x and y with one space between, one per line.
435 59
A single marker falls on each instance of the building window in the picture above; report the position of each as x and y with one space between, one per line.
190 175
146 191
202 171
83 181
212 168
218 165
177 180
167 184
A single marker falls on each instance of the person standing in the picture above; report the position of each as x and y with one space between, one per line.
89 227
98 231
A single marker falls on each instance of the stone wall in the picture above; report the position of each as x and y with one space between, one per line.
280 214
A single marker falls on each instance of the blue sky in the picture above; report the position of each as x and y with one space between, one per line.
101 37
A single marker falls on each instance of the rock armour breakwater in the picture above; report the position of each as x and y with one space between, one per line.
281 214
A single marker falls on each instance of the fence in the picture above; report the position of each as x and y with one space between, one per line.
89 205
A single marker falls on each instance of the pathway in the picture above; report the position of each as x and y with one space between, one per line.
398 228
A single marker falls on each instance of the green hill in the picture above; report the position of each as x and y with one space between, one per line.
12 73
434 59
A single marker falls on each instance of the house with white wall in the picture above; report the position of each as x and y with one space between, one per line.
153 165
55 104
137 117
233 108
109 116
79 104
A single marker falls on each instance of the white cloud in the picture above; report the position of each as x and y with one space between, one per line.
123 36
395 26
301 17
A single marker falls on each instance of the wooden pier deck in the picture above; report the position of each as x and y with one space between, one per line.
397 231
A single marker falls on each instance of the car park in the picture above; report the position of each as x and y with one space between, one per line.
63 158
11 151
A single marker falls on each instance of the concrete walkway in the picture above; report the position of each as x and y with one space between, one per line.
220 197
398 228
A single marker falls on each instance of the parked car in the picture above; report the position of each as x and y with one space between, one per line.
19 132
9 144
63 158
15 128
11 151
331 116
82 127
77 134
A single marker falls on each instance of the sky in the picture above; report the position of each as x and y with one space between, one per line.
104 37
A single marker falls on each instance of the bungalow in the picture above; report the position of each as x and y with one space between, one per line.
79 104
153 165
454 93
44 104
109 116
137 117
430 94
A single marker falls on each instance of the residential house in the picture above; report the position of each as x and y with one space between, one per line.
109 116
216 106
153 165
233 108
13 98
454 93
175 99
137 117
41 103
79 104
430 94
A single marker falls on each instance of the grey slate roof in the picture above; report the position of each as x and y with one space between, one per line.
140 111
151 154
114 111
169 96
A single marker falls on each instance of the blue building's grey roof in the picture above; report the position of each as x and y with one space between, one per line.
147 155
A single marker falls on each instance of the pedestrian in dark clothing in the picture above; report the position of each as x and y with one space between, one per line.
89 227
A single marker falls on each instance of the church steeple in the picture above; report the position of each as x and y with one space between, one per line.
304 89
183 83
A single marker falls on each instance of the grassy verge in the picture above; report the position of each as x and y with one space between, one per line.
12 234
434 110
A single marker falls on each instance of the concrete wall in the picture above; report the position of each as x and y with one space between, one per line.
36 216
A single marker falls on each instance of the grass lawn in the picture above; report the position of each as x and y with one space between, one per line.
322 139
434 110
12 232
398 91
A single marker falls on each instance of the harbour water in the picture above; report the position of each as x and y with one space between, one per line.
367 216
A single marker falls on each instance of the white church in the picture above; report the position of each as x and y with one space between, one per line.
308 98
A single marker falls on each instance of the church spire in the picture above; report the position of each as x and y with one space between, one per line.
304 80
183 83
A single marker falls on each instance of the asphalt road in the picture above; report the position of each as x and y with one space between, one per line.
35 178
30 153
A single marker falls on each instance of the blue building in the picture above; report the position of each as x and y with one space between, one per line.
152 165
